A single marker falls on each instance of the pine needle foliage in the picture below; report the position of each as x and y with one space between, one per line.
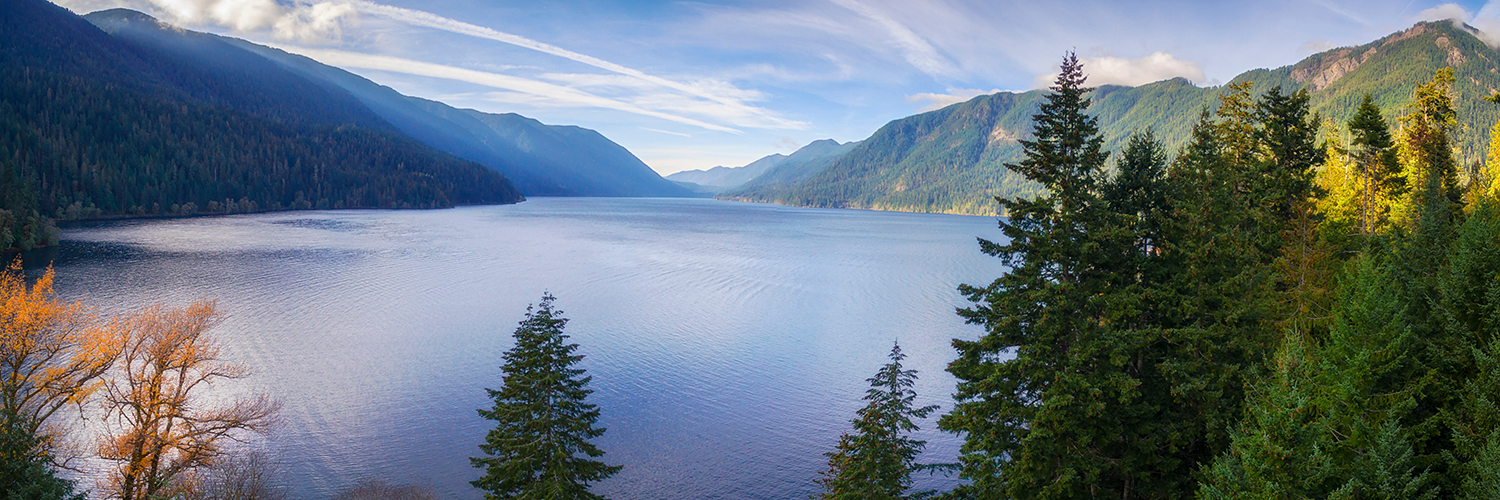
540 447
876 461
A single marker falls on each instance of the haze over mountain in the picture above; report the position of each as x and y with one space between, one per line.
951 160
93 124
726 177
542 160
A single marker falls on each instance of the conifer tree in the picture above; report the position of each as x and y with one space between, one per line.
1375 161
1079 410
25 469
540 447
876 461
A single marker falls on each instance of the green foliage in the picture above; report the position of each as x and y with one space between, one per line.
540 446
94 125
25 471
876 461
1079 411
951 160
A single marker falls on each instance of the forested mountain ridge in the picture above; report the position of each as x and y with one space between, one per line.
952 160
97 125
726 177
543 160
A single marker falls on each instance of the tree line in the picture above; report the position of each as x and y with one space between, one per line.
1270 314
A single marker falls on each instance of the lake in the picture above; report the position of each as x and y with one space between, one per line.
729 343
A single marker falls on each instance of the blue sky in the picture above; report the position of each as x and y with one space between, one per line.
692 85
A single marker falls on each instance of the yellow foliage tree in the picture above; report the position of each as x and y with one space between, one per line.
52 354
1490 178
1340 203
165 429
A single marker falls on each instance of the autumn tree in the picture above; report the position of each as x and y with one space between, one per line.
164 425
876 461
540 447
52 354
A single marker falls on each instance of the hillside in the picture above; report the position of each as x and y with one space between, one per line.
728 177
543 160
800 165
952 160
97 125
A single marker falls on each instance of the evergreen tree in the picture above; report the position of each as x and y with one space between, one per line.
25 471
876 461
1375 161
1079 410
540 449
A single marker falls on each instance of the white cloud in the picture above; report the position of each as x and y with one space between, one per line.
1444 12
711 92
1318 45
668 132
314 23
305 23
916 49
940 101
1487 20
1131 72
557 94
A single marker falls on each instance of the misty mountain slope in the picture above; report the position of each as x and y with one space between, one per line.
797 167
951 160
543 160
729 177
92 124
210 69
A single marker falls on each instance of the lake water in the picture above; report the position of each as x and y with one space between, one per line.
729 343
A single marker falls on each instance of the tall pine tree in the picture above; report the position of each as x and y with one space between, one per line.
876 461
540 449
1077 410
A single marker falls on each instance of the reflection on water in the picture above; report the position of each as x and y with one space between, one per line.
728 343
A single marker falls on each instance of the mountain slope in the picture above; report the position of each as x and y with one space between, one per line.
951 160
799 166
543 160
92 124
728 177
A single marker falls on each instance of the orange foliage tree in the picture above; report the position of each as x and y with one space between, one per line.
164 429
52 354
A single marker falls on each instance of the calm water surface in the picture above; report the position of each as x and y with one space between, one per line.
729 342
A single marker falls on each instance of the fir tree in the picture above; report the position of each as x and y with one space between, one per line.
1375 161
1079 410
25 470
876 461
540 448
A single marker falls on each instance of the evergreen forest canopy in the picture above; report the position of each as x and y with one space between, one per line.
95 125
953 160
1290 307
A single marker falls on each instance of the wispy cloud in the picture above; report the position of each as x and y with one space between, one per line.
1444 12
558 93
705 90
1131 72
322 22
1487 20
916 49
940 101
668 132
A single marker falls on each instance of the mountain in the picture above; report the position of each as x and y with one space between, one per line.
952 160
727 177
543 160
93 124
797 167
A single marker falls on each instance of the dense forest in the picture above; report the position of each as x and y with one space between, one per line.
952 160
93 125
1288 308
